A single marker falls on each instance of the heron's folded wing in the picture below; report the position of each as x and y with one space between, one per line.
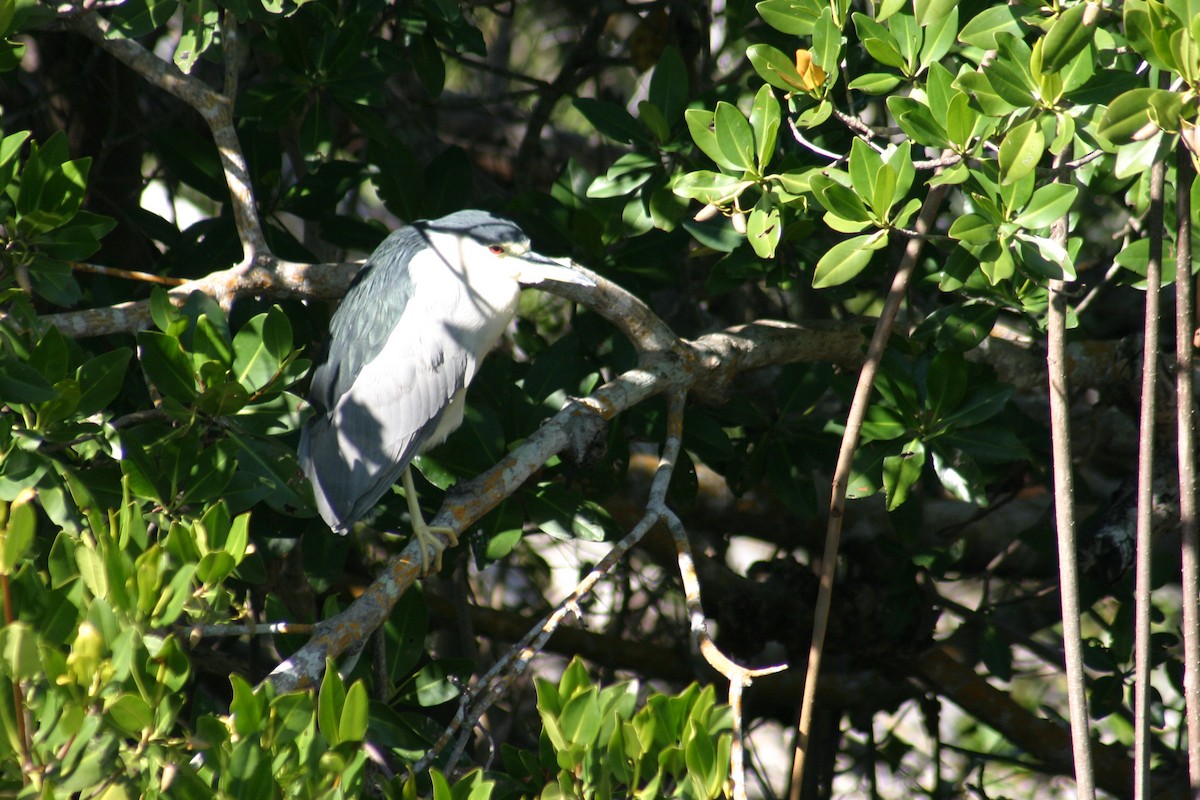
359 448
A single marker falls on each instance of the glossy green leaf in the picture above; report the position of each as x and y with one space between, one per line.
100 379
611 120
875 83
669 84
932 11
260 347
1127 118
700 124
846 259
939 38
946 382
963 328
917 121
352 725
764 122
734 137
201 20
981 404
1049 203
763 230
21 383
838 199
330 700
774 67
791 16
973 229
580 718
879 41
982 29
16 535
826 42
1021 151
166 365
901 472
709 187
1069 35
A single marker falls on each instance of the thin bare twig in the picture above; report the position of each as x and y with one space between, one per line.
841 476
127 274
1185 330
1064 515
1145 492
739 677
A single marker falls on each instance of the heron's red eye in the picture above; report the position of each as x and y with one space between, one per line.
495 249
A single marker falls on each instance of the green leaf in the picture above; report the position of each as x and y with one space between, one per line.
100 380
764 121
939 38
973 229
982 29
1021 151
245 708
627 174
353 723
838 199
774 67
580 718
16 536
21 383
700 125
669 84
827 41
1049 203
945 383
709 187
864 166
879 41
981 404
330 700
1069 35
166 365
901 472
734 137
917 121
201 18
260 347
932 11
763 230
791 16
846 259
611 120
963 327
50 193
876 83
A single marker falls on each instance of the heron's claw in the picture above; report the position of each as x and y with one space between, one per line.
427 538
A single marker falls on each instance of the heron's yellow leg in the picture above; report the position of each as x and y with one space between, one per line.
426 536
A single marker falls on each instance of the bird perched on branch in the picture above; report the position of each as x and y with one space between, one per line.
420 316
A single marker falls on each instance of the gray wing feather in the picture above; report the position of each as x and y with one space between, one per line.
355 452
381 388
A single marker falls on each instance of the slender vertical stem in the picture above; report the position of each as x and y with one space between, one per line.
1145 493
1185 329
1064 516
841 477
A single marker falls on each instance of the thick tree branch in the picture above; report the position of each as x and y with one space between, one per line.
718 357
214 107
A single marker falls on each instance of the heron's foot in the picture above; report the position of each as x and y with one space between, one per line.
427 538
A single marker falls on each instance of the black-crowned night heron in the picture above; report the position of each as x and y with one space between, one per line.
418 319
